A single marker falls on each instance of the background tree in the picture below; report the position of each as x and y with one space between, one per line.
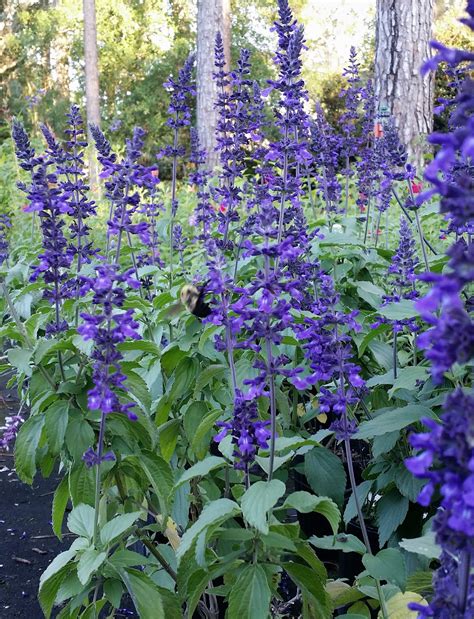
213 16
403 32
92 78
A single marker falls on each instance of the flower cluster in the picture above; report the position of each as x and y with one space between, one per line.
446 460
203 214
401 274
46 197
247 431
327 346
10 430
446 454
326 148
109 327
233 133
69 161
5 224
124 178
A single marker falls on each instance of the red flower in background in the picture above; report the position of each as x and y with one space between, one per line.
416 187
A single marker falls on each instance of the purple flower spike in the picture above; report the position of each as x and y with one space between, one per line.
107 329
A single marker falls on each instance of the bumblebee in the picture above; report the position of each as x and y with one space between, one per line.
192 299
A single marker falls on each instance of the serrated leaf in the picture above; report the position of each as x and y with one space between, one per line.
56 421
250 595
214 514
168 437
118 525
362 491
325 474
391 511
90 561
26 446
344 542
399 311
305 502
202 430
370 293
49 589
200 469
312 586
56 565
20 359
425 546
258 500
393 420
160 476
408 485
82 485
144 593
60 499
388 565
81 521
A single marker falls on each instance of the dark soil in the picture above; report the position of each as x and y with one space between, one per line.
27 544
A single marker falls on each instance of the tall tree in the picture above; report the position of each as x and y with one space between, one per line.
213 16
403 33
92 76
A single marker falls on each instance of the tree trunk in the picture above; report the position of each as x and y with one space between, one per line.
402 45
213 16
92 80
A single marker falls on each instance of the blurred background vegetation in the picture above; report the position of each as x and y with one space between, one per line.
142 41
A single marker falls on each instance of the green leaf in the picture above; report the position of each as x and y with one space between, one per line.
209 374
138 389
26 446
20 359
343 541
79 435
325 474
250 595
49 588
399 311
202 430
362 491
82 485
113 590
56 421
393 420
200 469
159 475
127 558
90 561
213 515
258 500
391 511
23 305
184 376
144 593
57 564
168 437
370 293
313 587
425 546
118 525
388 565
81 521
305 502
408 377
60 499
408 485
